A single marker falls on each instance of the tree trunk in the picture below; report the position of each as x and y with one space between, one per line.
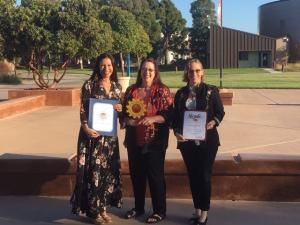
15 68
163 49
122 64
138 61
81 63
38 75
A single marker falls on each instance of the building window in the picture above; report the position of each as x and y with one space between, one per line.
243 56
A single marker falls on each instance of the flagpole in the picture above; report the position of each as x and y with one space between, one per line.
220 6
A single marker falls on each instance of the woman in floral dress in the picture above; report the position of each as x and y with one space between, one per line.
98 181
198 156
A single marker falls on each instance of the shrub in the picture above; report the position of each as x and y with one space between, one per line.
9 79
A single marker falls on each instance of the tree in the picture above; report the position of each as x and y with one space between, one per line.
143 45
125 31
145 13
92 35
54 32
172 25
9 46
203 14
37 23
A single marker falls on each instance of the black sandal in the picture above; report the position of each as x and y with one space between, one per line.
155 218
193 220
197 222
133 213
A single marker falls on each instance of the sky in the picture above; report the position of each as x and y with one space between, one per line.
237 14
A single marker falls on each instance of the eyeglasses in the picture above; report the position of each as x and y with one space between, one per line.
197 71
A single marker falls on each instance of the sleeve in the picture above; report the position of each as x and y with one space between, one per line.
166 109
84 103
218 107
120 114
176 122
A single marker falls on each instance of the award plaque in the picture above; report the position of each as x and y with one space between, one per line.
136 108
103 116
194 125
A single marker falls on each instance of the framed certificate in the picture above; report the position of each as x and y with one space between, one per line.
103 117
194 125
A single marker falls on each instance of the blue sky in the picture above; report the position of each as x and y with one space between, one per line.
237 14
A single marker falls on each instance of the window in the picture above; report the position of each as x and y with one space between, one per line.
243 56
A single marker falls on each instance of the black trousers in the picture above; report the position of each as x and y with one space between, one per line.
199 161
148 166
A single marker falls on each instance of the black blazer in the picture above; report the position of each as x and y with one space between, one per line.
207 99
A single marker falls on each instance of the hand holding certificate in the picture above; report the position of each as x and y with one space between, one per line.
103 116
194 125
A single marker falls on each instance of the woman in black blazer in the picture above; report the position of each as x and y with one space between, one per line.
198 156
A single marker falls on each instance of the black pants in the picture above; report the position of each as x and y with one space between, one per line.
199 162
143 166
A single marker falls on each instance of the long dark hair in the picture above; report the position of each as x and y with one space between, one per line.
156 79
97 72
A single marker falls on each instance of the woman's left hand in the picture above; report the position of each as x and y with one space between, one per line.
118 107
211 125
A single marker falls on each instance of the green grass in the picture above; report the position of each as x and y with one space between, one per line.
232 78
242 80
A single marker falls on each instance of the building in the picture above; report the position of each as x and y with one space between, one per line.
280 19
240 49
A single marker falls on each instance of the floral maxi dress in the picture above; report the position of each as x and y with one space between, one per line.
98 181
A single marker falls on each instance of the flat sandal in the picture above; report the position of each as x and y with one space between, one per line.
133 213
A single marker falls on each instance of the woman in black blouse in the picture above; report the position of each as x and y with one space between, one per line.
198 155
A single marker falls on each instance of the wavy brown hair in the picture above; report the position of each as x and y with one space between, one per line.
156 79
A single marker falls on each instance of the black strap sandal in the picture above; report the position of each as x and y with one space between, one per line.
133 213
193 220
201 223
155 218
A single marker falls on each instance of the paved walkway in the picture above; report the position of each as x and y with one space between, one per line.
259 121
49 210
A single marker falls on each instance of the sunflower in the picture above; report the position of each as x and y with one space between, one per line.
136 108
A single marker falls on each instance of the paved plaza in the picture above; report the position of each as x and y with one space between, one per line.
260 121
39 210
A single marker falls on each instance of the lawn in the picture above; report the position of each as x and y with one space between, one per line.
238 78
232 78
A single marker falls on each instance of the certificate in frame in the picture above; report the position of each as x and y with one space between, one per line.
103 116
194 125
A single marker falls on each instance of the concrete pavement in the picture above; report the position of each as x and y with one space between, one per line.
31 210
259 121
